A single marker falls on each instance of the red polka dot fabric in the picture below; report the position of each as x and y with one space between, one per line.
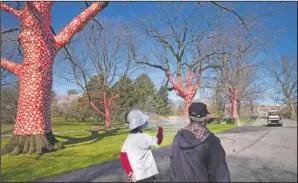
188 92
35 73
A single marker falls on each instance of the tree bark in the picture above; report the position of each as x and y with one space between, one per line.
107 107
233 103
108 119
107 111
30 144
293 111
187 94
238 114
187 101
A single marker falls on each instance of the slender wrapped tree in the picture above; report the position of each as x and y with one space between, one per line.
239 79
32 131
105 60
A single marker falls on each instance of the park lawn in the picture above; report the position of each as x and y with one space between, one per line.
82 150
6 129
62 120
247 120
57 127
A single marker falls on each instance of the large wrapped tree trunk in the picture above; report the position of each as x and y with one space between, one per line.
33 132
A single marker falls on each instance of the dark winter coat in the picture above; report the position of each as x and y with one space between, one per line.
198 157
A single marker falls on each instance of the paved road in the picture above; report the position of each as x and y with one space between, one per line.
254 153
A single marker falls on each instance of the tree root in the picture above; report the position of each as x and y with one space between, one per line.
32 144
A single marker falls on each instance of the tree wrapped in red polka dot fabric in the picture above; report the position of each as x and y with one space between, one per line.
32 131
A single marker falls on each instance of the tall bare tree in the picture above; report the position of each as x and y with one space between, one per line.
283 81
239 80
107 59
182 47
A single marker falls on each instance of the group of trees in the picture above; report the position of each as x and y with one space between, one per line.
139 93
103 74
188 47
238 83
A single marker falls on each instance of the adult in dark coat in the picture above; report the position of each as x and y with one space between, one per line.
197 154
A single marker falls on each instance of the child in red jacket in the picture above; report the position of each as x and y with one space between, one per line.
136 155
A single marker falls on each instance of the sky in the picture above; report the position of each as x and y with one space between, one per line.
283 18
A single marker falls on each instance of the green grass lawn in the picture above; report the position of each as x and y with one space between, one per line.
247 120
82 150
6 129
58 125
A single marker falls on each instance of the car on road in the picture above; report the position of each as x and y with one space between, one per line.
274 118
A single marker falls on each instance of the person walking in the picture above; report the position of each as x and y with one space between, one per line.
136 156
197 154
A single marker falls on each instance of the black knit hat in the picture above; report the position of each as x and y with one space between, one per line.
198 110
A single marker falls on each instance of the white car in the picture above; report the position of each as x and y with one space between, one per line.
274 118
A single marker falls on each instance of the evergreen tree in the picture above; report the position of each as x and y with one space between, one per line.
161 97
126 100
143 87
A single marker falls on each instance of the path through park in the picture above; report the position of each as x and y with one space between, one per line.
255 152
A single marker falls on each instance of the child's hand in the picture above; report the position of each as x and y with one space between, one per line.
160 125
131 177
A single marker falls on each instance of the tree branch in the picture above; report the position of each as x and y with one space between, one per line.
78 23
10 10
153 65
231 11
211 66
133 52
96 108
189 79
113 98
11 66
195 64
94 19
198 82
10 30
178 88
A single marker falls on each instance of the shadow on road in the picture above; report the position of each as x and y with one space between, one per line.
274 125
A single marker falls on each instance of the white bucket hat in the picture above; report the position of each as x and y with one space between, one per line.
136 118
